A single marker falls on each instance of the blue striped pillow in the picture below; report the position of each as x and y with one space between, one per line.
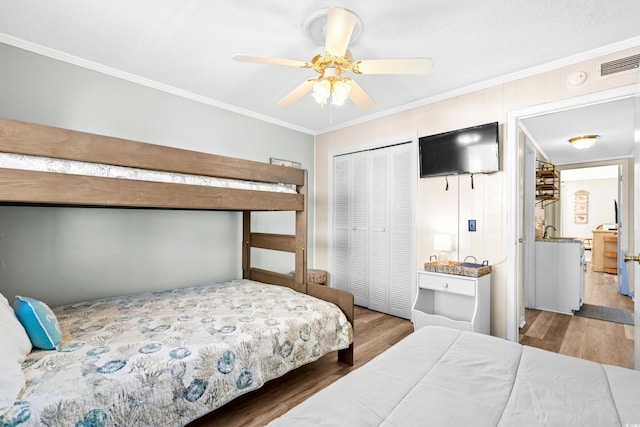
39 322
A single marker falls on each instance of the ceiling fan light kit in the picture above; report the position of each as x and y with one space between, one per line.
583 142
342 26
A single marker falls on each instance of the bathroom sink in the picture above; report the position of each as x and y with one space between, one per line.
557 239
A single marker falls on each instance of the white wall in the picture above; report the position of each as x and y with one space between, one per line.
439 210
64 255
602 193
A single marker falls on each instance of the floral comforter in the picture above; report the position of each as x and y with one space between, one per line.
166 358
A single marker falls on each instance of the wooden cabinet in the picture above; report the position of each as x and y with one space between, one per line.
459 302
604 251
547 186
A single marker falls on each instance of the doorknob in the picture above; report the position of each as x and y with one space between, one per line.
628 258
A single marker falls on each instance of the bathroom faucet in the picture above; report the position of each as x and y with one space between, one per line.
546 231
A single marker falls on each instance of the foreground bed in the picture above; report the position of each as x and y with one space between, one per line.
444 377
166 358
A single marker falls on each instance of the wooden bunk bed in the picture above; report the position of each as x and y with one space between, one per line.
37 187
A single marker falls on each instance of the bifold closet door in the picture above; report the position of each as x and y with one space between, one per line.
379 233
391 219
373 228
351 225
401 226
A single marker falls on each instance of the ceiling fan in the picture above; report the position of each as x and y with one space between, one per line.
331 85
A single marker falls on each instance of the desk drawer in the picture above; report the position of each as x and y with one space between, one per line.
448 283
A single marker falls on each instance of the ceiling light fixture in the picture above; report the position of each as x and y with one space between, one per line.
583 142
336 32
331 85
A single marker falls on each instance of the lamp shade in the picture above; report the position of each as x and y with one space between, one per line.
442 242
321 91
340 92
584 142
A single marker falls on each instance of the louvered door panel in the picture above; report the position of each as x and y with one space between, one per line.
379 235
359 207
401 229
341 223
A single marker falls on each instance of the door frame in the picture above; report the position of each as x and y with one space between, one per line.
514 288
636 229
528 227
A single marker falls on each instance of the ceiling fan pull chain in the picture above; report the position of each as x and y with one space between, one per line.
331 108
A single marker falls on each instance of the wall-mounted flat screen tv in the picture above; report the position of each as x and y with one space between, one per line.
470 150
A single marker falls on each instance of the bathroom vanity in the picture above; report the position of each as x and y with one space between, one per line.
559 275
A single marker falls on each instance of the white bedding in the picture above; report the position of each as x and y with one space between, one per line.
73 167
444 377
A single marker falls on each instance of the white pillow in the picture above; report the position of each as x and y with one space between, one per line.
15 346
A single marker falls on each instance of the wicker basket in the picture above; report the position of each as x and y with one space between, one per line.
318 277
459 268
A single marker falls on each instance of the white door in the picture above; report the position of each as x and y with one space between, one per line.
373 232
351 225
340 274
359 183
379 233
402 260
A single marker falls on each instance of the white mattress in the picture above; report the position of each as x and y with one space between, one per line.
444 377
48 164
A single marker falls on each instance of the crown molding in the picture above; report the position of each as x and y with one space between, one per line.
573 59
528 72
100 68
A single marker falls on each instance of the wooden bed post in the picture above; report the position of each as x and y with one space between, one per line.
301 241
246 244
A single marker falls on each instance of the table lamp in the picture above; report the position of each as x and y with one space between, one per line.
442 243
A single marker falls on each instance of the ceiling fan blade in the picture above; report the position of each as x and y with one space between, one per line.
340 24
359 97
394 66
276 61
297 93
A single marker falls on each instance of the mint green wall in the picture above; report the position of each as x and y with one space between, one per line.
64 255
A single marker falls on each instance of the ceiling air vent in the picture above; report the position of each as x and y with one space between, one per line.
616 66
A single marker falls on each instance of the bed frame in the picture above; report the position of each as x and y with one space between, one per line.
45 188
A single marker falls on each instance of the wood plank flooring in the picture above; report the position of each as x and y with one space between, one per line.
591 339
374 333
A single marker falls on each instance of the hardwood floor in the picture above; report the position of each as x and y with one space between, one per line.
591 339
374 333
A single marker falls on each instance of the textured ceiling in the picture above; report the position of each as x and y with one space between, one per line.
613 121
186 46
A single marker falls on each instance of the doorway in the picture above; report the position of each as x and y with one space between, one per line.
591 320
513 169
